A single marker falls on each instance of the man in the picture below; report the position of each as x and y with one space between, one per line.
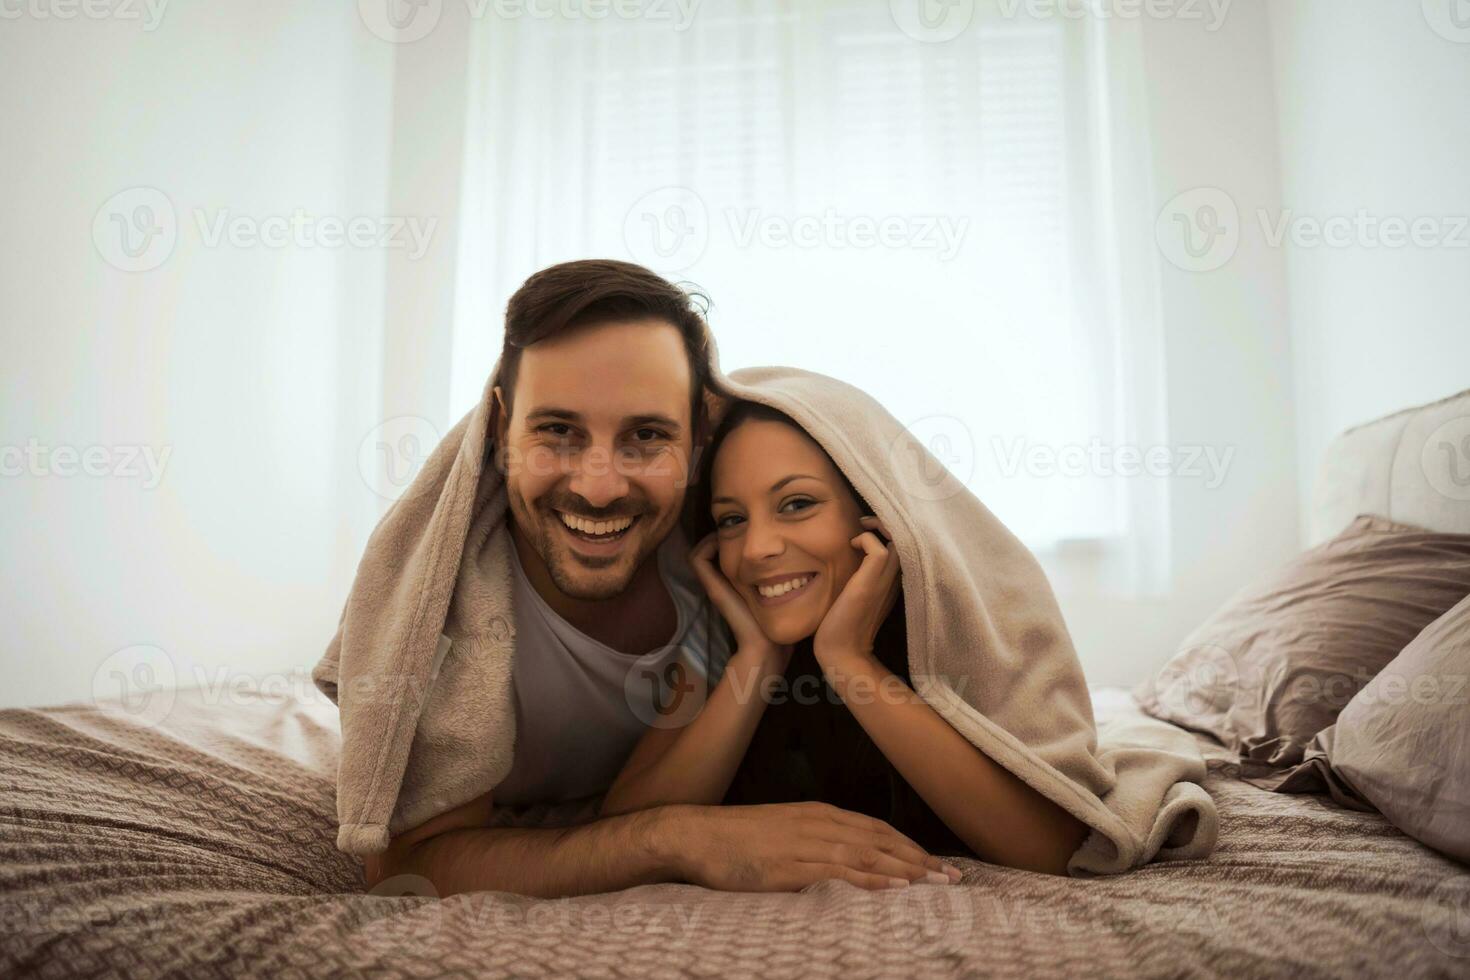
602 399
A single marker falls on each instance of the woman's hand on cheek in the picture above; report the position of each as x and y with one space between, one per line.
749 637
852 622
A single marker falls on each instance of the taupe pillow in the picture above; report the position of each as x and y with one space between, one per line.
1402 745
1281 659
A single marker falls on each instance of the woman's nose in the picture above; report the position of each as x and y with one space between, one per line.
762 541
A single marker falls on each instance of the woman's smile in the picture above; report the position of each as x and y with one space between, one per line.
776 590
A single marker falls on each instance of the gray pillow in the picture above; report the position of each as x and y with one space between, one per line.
1402 744
1276 664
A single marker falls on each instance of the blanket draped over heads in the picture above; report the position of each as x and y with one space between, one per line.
420 665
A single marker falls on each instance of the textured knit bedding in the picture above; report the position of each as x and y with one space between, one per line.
204 846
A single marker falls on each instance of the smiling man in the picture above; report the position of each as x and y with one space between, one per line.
603 396
597 411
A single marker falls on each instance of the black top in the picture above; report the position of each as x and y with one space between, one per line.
809 746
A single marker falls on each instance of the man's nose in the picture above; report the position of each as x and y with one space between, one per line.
597 478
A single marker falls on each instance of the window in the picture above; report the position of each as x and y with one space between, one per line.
928 221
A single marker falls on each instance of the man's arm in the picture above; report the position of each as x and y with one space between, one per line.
778 847
457 852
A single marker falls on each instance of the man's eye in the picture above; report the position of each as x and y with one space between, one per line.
551 426
652 434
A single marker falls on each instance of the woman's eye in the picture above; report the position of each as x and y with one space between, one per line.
799 500
723 522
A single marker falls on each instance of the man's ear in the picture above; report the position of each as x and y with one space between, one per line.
715 406
712 408
498 425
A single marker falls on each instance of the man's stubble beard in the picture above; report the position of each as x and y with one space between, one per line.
557 555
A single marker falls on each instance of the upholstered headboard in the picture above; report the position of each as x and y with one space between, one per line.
1412 466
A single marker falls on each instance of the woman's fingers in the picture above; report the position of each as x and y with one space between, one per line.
702 560
891 564
705 547
874 524
879 568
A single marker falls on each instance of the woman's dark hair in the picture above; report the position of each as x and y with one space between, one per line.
814 749
587 291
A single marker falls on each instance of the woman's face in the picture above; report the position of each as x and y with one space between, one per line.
783 515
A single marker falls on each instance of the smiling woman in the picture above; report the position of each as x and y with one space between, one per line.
797 529
809 745
808 579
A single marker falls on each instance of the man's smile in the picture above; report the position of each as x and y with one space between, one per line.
602 538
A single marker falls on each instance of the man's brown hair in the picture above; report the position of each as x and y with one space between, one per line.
589 291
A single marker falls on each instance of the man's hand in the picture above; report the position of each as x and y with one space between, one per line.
787 846
776 847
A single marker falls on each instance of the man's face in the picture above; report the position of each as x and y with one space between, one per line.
599 432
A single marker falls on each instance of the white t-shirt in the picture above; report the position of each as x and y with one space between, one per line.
580 705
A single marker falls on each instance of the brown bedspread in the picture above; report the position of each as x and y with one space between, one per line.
204 846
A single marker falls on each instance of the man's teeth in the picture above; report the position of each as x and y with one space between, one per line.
781 588
595 527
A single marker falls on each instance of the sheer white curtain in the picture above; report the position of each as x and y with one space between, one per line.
934 222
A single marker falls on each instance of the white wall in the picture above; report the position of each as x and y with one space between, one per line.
1227 352
256 367
1373 118
237 562
250 365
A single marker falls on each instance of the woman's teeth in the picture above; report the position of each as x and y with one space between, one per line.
608 529
781 588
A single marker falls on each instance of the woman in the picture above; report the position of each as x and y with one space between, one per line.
802 572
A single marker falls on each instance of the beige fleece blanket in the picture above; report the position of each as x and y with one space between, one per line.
421 663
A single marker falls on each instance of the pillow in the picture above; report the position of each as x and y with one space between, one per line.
1281 659
1402 745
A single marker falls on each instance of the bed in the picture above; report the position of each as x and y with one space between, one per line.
203 845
